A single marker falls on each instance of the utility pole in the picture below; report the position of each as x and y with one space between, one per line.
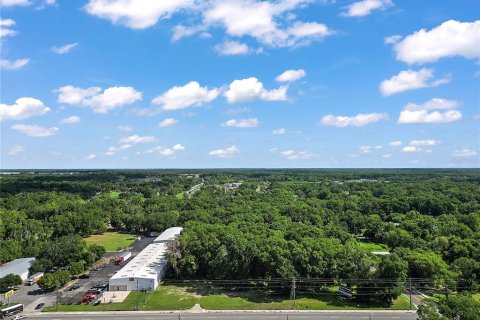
410 291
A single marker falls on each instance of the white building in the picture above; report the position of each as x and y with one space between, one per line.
18 266
168 235
146 270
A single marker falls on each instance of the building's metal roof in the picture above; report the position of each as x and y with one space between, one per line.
169 234
149 263
18 266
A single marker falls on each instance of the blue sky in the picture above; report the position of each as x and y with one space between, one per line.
239 83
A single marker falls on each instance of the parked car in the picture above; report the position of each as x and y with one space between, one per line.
84 276
75 287
39 306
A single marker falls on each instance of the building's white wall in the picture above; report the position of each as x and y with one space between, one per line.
136 284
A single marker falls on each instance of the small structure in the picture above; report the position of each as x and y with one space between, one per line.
18 266
168 235
232 186
124 257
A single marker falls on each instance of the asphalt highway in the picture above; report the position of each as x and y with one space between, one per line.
232 316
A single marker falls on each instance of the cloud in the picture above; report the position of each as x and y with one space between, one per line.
464 154
166 151
125 127
11 3
65 48
12 65
16 150
293 155
5 30
35 131
410 149
91 156
395 143
411 80
71 120
451 38
241 123
251 89
136 14
365 7
168 122
386 155
291 75
22 109
191 94
427 142
225 153
268 21
232 48
235 111
101 102
357 120
280 131
113 150
365 149
420 113
135 139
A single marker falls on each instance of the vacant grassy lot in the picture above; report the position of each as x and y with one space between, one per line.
372 246
181 298
111 241
114 194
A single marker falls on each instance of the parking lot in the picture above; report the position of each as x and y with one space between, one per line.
99 275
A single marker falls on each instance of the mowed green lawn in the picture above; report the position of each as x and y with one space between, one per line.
181 298
373 247
111 241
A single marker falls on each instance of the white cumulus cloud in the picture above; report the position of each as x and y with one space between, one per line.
426 142
166 151
241 123
168 122
294 155
35 131
225 153
191 94
232 48
71 120
136 14
12 65
125 127
291 75
410 80
113 150
16 150
435 110
22 109
451 38
395 143
463 154
5 28
11 3
91 156
280 131
357 120
65 48
93 97
250 89
135 139
410 149
365 7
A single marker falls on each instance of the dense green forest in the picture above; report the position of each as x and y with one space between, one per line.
276 224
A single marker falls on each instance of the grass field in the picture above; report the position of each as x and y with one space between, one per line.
114 194
372 246
181 298
111 241
476 296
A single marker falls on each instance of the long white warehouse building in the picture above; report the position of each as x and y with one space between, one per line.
146 270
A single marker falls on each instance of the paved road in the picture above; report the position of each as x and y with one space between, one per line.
233 316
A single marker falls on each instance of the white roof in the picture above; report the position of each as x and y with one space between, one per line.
17 266
147 264
169 234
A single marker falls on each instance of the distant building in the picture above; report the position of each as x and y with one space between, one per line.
18 266
232 186
168 235
146 270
